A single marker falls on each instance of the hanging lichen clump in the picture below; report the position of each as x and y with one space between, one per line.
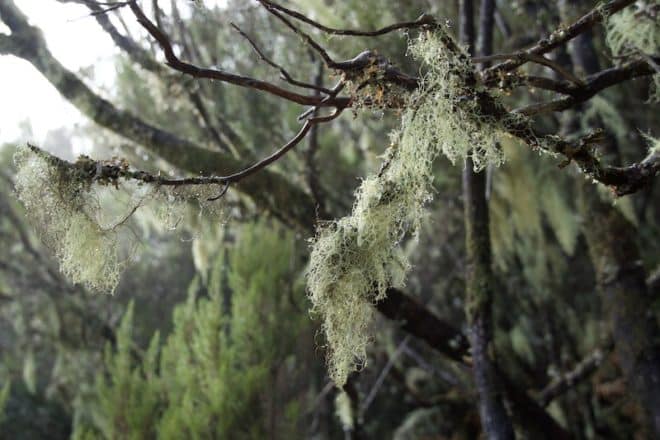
70 207
355 259
636 30
56 200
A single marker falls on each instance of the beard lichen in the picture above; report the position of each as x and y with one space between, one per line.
443 115
636 29
82 215
355 259
56 200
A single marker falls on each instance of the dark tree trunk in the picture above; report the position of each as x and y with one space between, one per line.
479 277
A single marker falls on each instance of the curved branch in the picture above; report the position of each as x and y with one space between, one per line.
422 21
558 38
243 81
595 83
109 171
271 191
283 72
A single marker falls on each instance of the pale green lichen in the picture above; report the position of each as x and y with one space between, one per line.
443 115
55 200
344 411
654 146
355 259
81 216
636 29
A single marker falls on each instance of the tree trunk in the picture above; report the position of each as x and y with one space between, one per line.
479 277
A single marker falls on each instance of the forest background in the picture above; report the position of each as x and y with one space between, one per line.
208 333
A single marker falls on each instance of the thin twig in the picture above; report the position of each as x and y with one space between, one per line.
559 37
270 7
283 72
539 59
383 374
422 21
581 371
174 62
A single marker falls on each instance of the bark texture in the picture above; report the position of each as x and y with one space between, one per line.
479 281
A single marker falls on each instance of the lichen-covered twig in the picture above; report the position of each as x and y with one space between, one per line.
104 172
557 38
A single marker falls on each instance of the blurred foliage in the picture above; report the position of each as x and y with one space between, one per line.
208 334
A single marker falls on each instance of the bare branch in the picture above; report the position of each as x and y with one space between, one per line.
567 381
283 72
422 21
174 62
558 38
539 59
594 84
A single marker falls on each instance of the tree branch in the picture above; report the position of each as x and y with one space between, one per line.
243 81
422 21
110 171
558 38
283 72
270 191
593 85
417 320
567 381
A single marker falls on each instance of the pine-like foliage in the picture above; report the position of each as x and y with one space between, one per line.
215 375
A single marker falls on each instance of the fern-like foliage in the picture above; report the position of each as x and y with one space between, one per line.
636 29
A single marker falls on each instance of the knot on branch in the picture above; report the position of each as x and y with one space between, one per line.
375 82
582 150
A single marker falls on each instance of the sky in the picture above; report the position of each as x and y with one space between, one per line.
78 42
